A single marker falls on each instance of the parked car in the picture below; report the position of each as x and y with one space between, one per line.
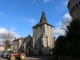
9 52
4 54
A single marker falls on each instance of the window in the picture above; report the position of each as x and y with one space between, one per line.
77 6
36 28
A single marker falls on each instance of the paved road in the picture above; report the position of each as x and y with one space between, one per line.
2 58
34 58
39 58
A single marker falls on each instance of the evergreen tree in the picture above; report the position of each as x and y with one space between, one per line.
60 45
70 44
73 30
73 38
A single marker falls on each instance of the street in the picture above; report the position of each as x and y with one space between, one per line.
2 58
33 58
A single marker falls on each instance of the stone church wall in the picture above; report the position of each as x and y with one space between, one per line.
49 31
43 36
38 31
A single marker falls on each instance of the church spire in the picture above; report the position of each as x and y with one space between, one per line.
43 18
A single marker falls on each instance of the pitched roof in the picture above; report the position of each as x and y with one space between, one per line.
18 39
43 20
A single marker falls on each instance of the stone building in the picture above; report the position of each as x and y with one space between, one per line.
43 37
17 44
26 46
42 41
74 8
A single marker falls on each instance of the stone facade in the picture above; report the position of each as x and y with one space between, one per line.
43 37
27 45
17 44
42 41
74 8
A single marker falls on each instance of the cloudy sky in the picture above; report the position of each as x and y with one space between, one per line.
19 16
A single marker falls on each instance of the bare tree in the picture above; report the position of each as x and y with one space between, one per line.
6 39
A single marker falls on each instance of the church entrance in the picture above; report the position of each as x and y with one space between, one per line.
40 52
50 52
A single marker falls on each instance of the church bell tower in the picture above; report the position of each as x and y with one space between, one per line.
43 36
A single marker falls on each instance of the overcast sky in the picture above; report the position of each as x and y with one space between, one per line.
19 16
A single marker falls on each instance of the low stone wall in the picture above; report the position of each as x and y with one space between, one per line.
68 58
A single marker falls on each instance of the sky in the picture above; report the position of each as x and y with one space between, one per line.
19 16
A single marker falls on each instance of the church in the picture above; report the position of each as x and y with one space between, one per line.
43 37
43 40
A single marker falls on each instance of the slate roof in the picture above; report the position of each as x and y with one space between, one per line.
43 20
